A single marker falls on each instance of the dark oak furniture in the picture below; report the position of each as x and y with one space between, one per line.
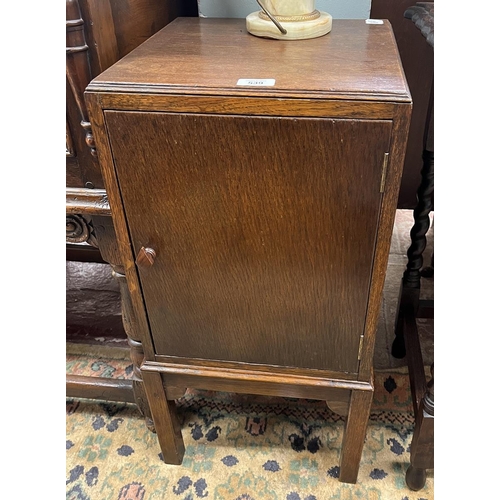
411 306
417 58
254 221
99 33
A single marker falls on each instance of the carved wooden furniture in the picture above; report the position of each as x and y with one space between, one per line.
254 217
99 32
411 306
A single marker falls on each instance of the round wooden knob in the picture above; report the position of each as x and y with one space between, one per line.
146 257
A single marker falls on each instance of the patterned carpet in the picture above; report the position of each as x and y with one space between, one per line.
238 447
241 447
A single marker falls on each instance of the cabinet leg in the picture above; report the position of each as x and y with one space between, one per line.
165 419
141 400
354 435
415 478
422 444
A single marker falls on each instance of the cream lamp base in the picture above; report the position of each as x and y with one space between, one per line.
296 29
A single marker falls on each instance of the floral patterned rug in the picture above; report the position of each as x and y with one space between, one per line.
238 447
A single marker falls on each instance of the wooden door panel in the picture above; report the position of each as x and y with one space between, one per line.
263 227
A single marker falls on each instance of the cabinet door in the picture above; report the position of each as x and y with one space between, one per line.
264 230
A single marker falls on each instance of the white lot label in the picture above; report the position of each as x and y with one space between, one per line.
265 82
374 21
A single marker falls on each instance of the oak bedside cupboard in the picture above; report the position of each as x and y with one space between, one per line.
253 186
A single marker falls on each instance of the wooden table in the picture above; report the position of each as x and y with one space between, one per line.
253 187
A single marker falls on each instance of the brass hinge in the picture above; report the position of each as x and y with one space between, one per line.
384 172
360 346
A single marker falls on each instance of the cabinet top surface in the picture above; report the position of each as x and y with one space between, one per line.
355 60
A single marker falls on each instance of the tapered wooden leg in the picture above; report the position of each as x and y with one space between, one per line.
354 435
416 478
165 419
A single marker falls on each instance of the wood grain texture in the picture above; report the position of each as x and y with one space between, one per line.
126 258
278 370
386 224
355 59
115 27
100 388
250 381
106 236
176 102
264 243
165 419
87 201
354 435
101 33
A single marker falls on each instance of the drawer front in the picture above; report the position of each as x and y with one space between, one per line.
263 231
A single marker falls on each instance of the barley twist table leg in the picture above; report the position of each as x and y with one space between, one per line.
410 288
